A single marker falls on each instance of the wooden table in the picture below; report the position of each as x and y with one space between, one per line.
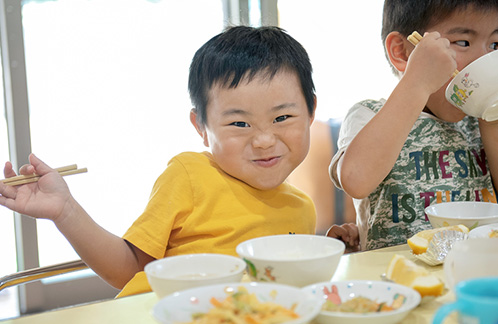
137 309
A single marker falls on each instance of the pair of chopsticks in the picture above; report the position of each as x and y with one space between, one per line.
23 179
415 38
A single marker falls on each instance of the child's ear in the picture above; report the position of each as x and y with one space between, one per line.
398 49
314 111
201 130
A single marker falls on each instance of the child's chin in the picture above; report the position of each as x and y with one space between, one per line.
263 186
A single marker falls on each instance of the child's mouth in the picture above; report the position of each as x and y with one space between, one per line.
268 162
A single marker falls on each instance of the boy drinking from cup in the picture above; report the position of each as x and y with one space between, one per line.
399 155
254 101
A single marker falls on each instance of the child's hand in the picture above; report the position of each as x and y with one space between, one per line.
348 233
46 198
432 62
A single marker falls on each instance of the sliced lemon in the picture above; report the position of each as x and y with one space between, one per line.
420 241
428 285
405 272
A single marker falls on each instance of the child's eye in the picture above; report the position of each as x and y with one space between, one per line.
463 43
240 124
494 46
281 118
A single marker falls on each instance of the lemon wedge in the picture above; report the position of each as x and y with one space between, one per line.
420 241
405 272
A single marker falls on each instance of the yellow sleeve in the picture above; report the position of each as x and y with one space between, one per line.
169 204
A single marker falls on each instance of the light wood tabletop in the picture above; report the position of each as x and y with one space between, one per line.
368 265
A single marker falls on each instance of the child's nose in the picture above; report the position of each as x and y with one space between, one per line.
264 139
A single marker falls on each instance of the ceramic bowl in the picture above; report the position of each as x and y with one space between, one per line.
179 307
295 259
469 213
379 291
176 273
483 231
474 89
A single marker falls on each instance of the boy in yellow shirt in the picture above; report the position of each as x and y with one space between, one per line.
254 102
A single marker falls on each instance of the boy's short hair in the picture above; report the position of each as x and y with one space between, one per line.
242 51
407 16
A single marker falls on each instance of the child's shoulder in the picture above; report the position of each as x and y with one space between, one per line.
363 110
189 162
371 104
192 157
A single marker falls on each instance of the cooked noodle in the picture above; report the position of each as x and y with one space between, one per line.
363 305
242 307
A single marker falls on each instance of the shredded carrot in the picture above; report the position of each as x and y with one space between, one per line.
215 302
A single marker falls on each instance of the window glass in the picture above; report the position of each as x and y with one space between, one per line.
345 47
8 297
107 87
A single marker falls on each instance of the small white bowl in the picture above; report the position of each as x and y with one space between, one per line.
380 291
179 307
469 213
292 259
474 89
176 273
483 231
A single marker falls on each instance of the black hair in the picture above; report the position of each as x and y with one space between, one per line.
407 16
243 51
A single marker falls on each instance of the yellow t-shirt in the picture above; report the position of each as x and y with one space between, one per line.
195 207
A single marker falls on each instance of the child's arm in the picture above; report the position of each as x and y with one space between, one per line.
348 233
49 198
372 153
489 135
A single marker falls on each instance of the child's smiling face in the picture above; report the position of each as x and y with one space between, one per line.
258 132
472 33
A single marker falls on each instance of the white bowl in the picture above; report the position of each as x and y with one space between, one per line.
474 89
380 291
469 213
179 307
483 231
293 259
180 272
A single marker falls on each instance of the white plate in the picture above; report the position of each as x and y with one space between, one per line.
179 306
482 231
379 291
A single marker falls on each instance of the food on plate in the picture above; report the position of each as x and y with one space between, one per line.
420 241
243 307
405 272
359 304
493 233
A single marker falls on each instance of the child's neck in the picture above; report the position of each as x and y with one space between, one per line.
427 110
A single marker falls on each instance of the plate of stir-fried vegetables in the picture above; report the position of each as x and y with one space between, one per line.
238 303
363 301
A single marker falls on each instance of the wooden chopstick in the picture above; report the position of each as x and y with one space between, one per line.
23 179
415 38
29 176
